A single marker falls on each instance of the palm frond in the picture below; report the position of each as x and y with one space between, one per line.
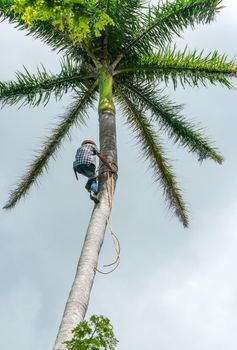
76 114
192 68
168 116
128 16
33 89
153 151
172 17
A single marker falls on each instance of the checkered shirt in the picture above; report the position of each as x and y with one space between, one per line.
86 154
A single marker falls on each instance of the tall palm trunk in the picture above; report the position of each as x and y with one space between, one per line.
78 299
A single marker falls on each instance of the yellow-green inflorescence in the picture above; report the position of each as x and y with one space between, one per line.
106 91
80 20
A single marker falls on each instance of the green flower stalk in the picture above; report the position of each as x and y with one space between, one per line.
106 93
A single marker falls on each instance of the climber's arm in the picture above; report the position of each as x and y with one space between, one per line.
105 162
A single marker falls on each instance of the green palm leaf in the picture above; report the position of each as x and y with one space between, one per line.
153 151
168 116
33 89
76 114
191 68
169 18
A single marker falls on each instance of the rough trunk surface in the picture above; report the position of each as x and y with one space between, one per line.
78 299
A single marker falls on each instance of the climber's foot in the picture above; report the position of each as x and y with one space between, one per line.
94 198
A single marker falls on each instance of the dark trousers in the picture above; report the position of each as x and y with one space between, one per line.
88 170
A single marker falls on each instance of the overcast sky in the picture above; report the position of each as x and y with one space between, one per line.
175 287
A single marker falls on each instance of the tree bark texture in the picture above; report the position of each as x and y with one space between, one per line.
78 299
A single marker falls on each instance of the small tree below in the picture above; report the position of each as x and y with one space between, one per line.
95 334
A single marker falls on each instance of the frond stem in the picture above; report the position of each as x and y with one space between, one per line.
173 68
117 60
91 55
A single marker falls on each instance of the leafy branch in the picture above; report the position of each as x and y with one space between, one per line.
94 334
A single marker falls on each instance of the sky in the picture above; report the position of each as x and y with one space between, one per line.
175 287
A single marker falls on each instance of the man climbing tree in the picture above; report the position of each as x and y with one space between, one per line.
115 51
85 164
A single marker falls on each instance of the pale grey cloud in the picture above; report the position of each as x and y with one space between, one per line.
185 301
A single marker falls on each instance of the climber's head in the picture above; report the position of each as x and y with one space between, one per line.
88 142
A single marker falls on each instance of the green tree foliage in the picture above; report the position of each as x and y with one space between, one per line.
95 334
78 19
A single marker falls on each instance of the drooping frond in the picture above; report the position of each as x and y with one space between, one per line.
191 68
172 17
154 153
33 89
168 116
77 113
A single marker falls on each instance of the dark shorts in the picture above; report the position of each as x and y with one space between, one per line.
87 170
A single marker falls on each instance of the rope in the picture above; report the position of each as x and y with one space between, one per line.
116 262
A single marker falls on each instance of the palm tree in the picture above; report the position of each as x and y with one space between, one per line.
126 64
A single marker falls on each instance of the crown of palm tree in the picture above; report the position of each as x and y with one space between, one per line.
138 52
